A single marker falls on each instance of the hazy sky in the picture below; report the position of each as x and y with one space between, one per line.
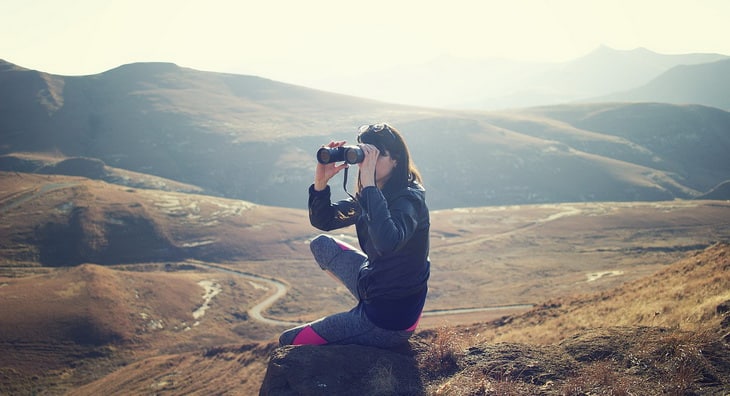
304 40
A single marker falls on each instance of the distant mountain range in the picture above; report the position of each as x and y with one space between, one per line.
706 83
254 139
490 84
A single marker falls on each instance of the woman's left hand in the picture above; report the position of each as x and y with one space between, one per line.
367 166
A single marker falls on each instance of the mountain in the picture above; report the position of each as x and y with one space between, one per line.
458 83
706 84
254 139
604 71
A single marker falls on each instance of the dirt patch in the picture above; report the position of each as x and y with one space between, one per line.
212 289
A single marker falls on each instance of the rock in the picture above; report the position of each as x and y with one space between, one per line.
723 308
339 370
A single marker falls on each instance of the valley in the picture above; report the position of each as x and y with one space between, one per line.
487 263
154 233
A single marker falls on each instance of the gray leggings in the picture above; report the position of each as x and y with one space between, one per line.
351 327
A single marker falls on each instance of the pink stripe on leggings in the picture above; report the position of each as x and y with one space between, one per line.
344 246
308 337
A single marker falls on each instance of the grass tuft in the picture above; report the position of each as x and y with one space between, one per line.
442 355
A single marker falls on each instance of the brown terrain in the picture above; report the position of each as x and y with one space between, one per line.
154 239
171 303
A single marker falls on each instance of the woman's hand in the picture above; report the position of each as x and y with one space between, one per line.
367 166
324 172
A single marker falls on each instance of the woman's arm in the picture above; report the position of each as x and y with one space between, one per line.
325 215
389 227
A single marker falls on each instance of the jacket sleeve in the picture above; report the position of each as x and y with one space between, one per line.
389 228
325 215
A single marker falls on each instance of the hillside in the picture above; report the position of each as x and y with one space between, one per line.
92 168
253 139
674 333
688 294
167 255
82 220
705 84
60 221
682 352
655 136
154 236
67 327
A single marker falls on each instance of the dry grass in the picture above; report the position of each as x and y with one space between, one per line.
440 358
684 354
382 381
602 378
684 295
656 361
674 363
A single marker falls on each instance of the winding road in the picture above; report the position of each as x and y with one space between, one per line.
256 312
280 290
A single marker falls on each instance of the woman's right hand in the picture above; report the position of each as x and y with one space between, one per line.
324 172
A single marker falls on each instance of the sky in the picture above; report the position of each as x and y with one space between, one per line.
297 41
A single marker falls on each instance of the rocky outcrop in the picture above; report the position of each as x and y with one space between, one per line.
617 360
341 370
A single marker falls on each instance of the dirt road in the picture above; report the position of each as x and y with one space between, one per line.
280 289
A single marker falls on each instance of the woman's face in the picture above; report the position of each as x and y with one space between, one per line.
384 168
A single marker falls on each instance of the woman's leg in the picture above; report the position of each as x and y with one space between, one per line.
351 327
341 260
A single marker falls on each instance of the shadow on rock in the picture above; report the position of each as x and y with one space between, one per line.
341 369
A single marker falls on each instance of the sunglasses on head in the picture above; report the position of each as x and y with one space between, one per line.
379 129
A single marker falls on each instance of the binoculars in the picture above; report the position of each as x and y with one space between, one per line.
349 154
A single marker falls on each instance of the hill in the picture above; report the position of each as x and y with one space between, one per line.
683 352
253 139
170 257
92 221
68 327
674 332
73 325
705 84
652 135
60 221
92 168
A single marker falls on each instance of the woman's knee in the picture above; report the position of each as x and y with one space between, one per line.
324 249
302 335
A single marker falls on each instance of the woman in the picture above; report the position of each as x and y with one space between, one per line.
389 276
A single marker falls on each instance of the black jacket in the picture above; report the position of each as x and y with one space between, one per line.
393 232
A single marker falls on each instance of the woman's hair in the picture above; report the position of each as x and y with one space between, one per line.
387 138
